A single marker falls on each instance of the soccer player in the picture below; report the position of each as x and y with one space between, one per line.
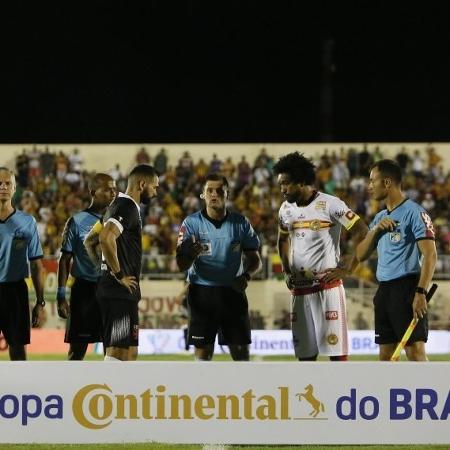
118 290
84 323
19 244
310 224
403 235
211 246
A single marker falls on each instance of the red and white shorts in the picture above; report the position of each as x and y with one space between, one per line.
319 320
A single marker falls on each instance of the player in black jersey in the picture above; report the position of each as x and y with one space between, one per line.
120 239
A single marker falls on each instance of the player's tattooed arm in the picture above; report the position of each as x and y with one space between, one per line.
92 244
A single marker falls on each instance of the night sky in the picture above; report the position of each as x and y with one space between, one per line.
231 71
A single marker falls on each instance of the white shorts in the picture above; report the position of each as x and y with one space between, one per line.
319 323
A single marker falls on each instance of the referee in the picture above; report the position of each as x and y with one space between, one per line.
220 251
19 244
84 323
121 243
403 235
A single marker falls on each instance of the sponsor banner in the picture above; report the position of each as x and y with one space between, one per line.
274 342
225 403
264 342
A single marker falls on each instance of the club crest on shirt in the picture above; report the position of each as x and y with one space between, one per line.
314 225
395 236
321 205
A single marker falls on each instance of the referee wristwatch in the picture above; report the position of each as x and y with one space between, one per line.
40 302
421 290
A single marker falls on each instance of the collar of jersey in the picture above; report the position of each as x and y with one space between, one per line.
216 223
4 221
121 194
398 206
309 201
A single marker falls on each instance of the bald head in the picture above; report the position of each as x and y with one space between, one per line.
99 180
103 190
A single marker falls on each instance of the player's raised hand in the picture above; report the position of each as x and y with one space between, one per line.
191 247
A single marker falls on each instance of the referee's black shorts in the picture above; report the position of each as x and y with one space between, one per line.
393 311
84 324
15 313
217 310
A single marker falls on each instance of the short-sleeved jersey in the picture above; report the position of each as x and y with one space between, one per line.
398 253
314 230
75 232
220 261
19 243
124 212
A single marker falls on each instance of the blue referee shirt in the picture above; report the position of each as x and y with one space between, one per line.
19 243
398 253
75 232
223 242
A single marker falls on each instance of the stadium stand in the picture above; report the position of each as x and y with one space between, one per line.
52 185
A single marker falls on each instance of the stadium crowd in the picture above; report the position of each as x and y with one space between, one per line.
52 185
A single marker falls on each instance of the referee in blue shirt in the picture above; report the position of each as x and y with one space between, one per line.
84 324
403 235
19 244
211 245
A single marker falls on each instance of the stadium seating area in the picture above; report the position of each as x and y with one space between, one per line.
52 185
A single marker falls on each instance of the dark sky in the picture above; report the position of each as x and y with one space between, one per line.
231 71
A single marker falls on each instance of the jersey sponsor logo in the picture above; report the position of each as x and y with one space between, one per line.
331 315
428 224
316 405
332 339
340 213
321 205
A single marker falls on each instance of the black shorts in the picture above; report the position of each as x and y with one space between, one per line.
84 324
393 311
217 310
120 320
15 313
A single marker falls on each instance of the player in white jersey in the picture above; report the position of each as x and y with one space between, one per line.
310 224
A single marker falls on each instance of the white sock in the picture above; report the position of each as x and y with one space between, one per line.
110 358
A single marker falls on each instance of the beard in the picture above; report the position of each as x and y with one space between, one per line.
145 198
